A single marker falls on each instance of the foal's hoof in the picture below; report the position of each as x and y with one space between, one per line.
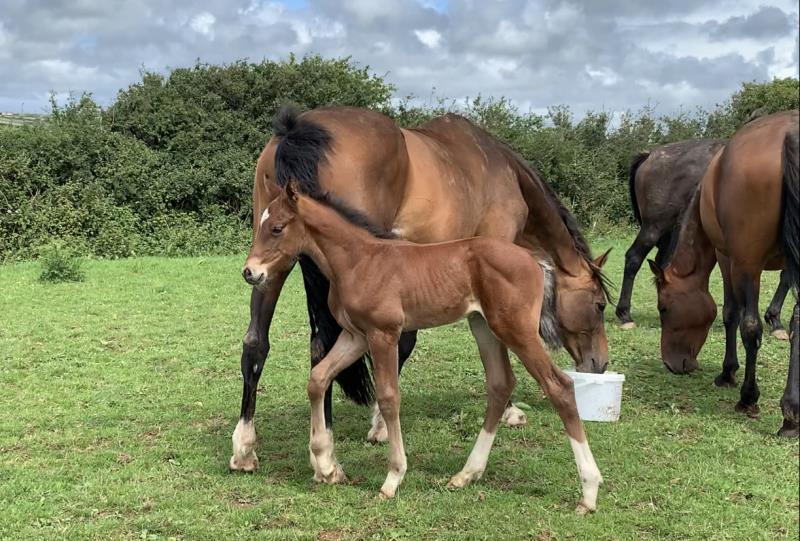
751 410
462 479
247 463
584 509
780 334
378 433
628 325
335 477
513 417
790 429
386 494
724 380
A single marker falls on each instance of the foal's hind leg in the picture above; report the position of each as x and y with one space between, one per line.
559 389
500 382
347 349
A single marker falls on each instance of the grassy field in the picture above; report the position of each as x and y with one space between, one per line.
119 395
21 119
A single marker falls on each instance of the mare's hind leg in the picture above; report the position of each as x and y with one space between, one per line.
347 349
773 314
377 432
746 287
634 257
790 402
500 382
559 389
731 315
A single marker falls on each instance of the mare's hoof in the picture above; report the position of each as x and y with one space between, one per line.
378 433
246 464
725 381
628 326
790 429
780 334
514 417
461 479
385 494
336 476
751 410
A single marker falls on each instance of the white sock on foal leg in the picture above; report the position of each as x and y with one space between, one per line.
378 432
476 462
513 416
326 468
589 474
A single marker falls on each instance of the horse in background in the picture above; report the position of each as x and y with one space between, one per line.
447 179
745 214
382 287
661 185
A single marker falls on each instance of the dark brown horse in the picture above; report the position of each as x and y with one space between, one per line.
445 180
382 287
745 215
661 185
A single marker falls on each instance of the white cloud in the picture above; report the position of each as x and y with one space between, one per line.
203 23
429 37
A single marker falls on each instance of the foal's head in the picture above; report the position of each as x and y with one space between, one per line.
279 240
687 311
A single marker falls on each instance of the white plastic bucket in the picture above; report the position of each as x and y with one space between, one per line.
598 396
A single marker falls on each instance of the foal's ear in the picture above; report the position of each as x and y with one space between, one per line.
658 272
291 192
601 260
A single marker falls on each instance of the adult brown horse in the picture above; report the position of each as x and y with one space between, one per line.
745 215
445 180
662 182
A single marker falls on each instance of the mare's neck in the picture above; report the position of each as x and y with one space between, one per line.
336 244
694 255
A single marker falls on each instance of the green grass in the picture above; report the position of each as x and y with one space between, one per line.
21 119
118 396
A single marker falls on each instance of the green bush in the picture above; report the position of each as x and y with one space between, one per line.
60 263
167 169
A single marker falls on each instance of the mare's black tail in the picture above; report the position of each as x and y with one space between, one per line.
790 216
638 160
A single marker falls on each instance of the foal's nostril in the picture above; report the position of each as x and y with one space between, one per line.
247 274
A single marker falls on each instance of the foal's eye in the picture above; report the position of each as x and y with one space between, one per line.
662 308
276 230
601 306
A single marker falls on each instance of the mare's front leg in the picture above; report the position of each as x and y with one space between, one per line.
746 288
731 315
790 402
773 314
500 382
347 349
255 348
383 346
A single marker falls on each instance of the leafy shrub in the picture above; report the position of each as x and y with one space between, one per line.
60 263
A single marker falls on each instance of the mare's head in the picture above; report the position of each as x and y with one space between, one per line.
687 311
278 241
581 301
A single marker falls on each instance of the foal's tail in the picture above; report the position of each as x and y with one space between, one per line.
638 160
790 218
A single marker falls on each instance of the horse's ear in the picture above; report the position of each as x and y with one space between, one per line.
291 192
658 272
601 260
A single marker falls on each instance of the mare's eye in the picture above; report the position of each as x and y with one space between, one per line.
662 308
601 306
276 230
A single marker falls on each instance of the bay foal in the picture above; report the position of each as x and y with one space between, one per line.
381 287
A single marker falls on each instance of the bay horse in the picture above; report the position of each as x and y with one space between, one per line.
381 287
661 185
744 214
445 180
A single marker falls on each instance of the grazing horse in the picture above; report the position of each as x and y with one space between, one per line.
381 287
745 215
445 180
661 185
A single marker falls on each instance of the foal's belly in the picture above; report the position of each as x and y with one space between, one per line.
428 319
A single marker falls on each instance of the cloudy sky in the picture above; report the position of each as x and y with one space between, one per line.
591 54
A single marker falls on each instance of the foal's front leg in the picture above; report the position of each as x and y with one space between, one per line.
345 351
383 346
